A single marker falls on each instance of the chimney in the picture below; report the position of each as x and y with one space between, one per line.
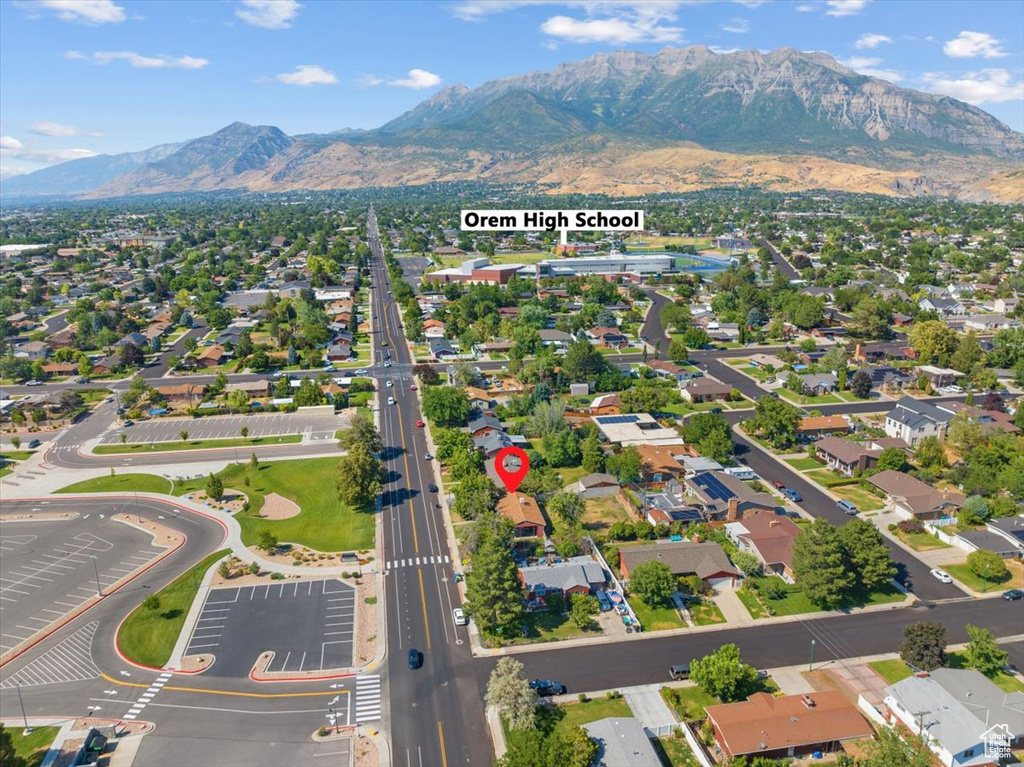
733 510
808 701
856 352
773 523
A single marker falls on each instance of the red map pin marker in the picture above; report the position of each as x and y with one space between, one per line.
511 479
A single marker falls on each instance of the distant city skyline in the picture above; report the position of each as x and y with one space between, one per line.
81 77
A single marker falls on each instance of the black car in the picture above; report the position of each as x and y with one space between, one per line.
546 687
1013 594
431 488
415 658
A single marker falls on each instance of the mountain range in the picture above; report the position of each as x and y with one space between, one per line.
619 123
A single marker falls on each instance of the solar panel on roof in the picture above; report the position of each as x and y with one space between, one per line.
609 419
713 487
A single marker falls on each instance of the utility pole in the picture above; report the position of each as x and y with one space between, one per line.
138 511
810 666
96 569
28 730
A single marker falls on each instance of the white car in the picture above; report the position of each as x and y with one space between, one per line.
941 575
459 617
391 400
361 372
389 384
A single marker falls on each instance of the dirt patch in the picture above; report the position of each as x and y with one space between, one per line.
278 507
39 516
163 536
232 501
366 620
288 554
366 752
240 575
197 662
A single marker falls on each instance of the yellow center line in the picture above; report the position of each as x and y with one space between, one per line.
440 738
423 597
408 479
230 692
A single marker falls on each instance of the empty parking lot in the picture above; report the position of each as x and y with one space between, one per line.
47 569
308 625
227 427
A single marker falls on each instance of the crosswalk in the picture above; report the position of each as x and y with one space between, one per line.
367 698
394 564
70 660
146 697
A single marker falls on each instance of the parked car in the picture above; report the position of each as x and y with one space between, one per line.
384 342
415 658
846 507
412 387
33 382
793 495
941 575
777 485
679 671
128 422
428 457
715 410
1013 594
431 488
32 444
459 617
546 687
420 424
603 601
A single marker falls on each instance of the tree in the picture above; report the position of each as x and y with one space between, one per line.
677 351
244 431
866 552
747 563
626 465
214 487
8 756
871 318
571 748
583 362
562 449
254 568
924 645
509 691
475 496
568 507
861 384
987 565
446 406
266 540
426 373
931 339
254 462
775 421
893 458
238 400
360 477
494 594
151 603
696 338
183 435
819 564
362 431
888 748
15 441
593 454
644 397
723 674
547 418
309 394
974 512
982 652
582 609
653 582
717 446
968 353
930 453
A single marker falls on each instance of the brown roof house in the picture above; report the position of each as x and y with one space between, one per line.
769 537
705 390
706 560
525 515
844 456
211 356
914 499
659 464
814 426
787 726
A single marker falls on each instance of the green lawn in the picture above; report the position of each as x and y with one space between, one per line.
656 618
143 483
800 399
826 478
789 599
892 671
32 748
548 626
861 498
804 464
1012 580
706 613
688 702
578 714
921 541
325 523
675 751
196 444
752 603
17 455
148 636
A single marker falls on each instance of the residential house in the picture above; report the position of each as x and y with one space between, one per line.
660 463
106 364
960 710
211 356
724 496
1010 529
989 420
991 323
944 307
635 429
33 351
621 741
769 361
339 350
606 404
887 378
556 338
670 371
883 350
770 538
492 442
60 368
255 389
914 499
788 726
188 394
433 328
844 456
913 420
814 426
706 560
478 398
939 376
482 423
819 383
442 349
609 338
705 389
574 575
1005 305
595 485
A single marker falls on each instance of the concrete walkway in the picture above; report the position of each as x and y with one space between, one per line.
736 614
648 706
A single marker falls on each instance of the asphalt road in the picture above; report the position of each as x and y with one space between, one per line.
781 263
434 715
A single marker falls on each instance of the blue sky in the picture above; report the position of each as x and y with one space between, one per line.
79 77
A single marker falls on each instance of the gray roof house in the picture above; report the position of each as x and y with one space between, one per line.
440 348
622 741
914 419
595 485
579 575
957 708
1011 529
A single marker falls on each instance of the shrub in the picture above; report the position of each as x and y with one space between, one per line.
582 698
277 576
911 526
613 695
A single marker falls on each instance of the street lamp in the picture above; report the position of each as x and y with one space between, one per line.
28 730
810 666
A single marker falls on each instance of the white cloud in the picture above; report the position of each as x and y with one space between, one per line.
140 61
969 45
871 40
989 86
268 14
82 11
12 147
367 80
417 79
720 50
806 9
306 75
866 65
737 26
845 7
47 128
10 143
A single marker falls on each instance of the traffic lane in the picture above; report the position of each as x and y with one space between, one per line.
726 374
597 667
912 572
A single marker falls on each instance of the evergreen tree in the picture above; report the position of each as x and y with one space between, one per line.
820 566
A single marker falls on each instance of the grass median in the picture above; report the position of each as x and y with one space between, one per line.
148 636
34 746
120 483
196 444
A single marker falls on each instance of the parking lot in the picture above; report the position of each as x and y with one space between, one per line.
311 426
47 569
308 625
